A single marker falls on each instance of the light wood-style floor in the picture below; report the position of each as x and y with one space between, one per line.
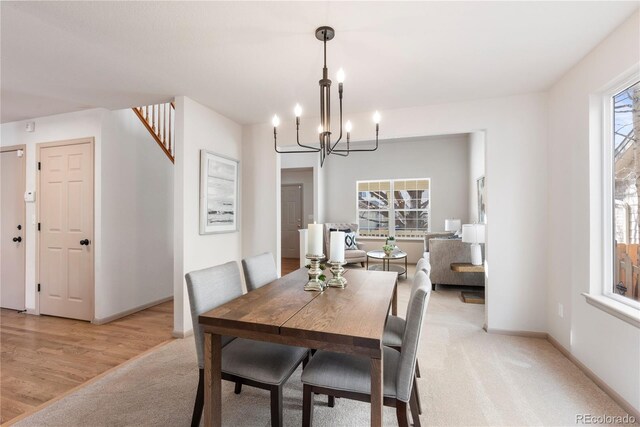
42 357
289 264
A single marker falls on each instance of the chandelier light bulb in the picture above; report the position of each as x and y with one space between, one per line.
320 130
348 126
340 75
275 121
297 110
376 117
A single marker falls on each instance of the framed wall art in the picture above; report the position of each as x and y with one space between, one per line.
218 193
482 208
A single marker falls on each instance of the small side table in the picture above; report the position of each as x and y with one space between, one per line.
465 267
386 261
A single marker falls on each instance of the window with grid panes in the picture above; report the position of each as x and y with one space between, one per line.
399 207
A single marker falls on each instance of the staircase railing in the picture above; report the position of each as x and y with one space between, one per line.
159 120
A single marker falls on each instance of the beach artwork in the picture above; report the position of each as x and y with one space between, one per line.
218 194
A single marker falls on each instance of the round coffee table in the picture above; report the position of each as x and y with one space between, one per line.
386 261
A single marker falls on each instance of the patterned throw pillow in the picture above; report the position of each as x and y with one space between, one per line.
350 240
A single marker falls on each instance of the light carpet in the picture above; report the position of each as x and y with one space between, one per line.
469 378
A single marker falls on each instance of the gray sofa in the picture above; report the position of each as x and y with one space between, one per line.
441 252
352 256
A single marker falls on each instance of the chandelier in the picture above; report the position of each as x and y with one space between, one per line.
325 146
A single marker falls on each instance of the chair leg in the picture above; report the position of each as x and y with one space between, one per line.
199 403
362 264
417 369
415 389
331 401
433 286
276 406
306 359
414 403
401 413
238 388
307 406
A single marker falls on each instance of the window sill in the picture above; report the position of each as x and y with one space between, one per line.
399 239
617 309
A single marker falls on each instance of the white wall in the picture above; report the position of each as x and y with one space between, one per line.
136 267
606 345
516 158
476 170
198 127
60 127
260 193
304 177
444 159
132 211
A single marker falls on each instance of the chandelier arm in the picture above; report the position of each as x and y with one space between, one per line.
314 149
275 146
361 149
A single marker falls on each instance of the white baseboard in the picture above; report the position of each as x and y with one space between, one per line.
122 314
628 407
179 334
528 334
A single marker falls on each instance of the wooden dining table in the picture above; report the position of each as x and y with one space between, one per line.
349 320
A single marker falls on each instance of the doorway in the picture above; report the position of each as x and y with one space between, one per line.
297 211
291 205
12 227
65 215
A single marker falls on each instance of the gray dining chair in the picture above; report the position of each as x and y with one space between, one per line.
424 265
349 376
257 364
394 329
259 270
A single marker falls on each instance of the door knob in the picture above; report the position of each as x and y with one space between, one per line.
85 242
17 239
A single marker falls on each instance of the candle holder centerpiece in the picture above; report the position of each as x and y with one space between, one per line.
315 255
337 281
316 278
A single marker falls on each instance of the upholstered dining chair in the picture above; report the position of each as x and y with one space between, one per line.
394 330
259 270
349 376
254 363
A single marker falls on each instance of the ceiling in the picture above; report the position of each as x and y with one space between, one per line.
249 60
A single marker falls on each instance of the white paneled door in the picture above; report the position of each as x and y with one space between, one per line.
66 224
291 209
12 228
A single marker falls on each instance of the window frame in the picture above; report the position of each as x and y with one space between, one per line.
391 208
608 190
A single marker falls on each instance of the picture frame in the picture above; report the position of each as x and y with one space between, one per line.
482 208
219 208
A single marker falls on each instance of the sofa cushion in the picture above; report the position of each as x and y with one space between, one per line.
355 253
436 235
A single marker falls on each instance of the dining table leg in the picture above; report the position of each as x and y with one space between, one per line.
377 397
394 300
212 380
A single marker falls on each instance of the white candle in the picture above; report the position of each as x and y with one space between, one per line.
314 239
337 246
